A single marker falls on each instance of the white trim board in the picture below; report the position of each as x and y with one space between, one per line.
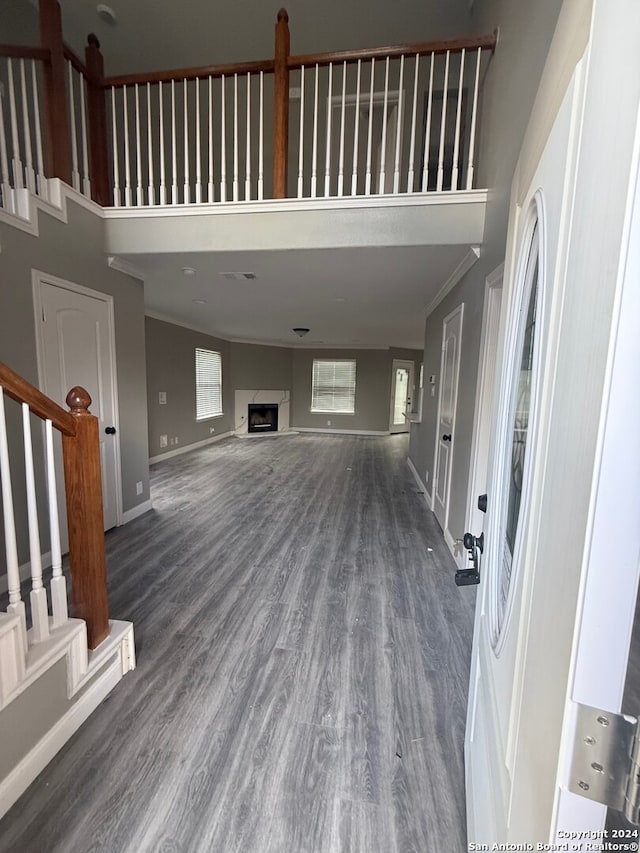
178 451
16 783
136 512
343 431
457 275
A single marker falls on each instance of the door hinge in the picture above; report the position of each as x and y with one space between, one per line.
605 765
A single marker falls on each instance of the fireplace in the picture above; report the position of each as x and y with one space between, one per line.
263 417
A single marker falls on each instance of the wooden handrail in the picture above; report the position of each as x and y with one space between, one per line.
21 391
17 51
75 60
394 51
266 65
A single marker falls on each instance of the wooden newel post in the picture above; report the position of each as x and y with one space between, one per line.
281 106
97 110
58 157
83 481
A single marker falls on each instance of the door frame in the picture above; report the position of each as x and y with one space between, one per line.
445 527
485 394
38 278
411 367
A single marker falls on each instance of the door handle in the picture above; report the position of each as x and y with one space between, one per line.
446 437
110 430
475 547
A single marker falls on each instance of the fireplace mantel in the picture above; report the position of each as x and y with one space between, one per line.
244 397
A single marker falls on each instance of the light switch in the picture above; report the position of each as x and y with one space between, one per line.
162 398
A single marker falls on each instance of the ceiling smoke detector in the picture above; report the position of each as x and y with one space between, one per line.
106 14
300 332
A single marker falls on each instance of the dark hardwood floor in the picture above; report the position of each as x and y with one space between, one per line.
303 659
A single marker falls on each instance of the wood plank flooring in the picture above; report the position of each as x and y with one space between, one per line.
303 659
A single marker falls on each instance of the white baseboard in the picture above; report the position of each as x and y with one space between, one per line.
178 451
17 782
343 431
136 512
458 551
421 485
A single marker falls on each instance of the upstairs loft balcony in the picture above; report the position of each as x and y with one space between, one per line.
390 128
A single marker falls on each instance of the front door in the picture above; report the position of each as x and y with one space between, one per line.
76 348
447 402
401 395
561 560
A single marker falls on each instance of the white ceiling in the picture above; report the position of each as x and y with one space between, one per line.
375 297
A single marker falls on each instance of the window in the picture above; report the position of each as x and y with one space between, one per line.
208 384
333 386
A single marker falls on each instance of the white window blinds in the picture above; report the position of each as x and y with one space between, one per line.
333 386
208 384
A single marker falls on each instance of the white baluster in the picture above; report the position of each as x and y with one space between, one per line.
474 112
356 133
443 121
163 175
187 185
456 144
247 168
139 191
342 112
399 120
18 180
127 158
235 137
40 177
261 142
301 137
28 157
151 190
223 143
58 581
38 597
75 173
198 152
16 604
314 152
367 177
427 131
86 183
7 194
116 168
327 156
210 183
383 143
174 152
412 146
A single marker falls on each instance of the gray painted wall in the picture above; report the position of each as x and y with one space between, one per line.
260 367
373 388
509 91
73 252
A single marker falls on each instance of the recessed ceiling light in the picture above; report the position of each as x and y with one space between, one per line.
199 301
188 271
340 299
106 14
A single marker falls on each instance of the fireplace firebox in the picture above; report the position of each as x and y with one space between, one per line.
263 417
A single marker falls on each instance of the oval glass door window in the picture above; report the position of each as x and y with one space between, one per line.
518 434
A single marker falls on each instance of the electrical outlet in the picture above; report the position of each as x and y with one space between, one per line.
163 441
175 440
139 487
212 430
162 398
328 423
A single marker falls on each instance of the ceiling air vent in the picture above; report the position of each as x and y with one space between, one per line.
239 276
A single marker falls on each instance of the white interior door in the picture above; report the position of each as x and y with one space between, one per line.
76 347
401 395
558 575
447 401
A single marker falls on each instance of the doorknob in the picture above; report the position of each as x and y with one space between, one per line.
475 546
110 430
446 437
